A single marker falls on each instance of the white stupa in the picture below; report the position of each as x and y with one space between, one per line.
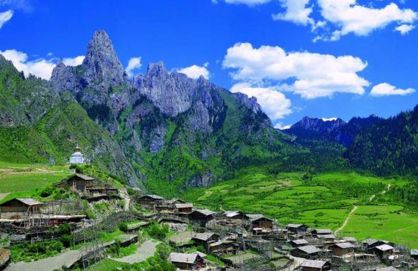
77 157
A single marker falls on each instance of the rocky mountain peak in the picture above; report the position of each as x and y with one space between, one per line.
101 62
156 69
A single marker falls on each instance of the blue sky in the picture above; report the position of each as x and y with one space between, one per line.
320 58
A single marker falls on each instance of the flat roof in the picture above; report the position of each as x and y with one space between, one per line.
313 264
183 257
309 249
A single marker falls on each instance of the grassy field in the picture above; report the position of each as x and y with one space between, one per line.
323 201
388 222
21 180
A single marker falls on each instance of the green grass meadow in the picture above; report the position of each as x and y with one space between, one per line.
22 180
323 201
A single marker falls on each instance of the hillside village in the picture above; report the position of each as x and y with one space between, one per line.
194 238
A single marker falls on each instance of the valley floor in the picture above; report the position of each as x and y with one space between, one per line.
353 204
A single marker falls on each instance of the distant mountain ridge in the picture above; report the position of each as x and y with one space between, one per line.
383 146
335 130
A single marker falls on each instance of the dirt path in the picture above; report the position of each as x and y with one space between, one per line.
3 195
346 220
48 264
144 251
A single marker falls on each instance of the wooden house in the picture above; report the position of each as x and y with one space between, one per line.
150 201
307 252
319 232
414 253
205 239
184 261
315 265
77 183
299 242
184 208
224 247
297 228
167 206
19 208
235 215
260 223
370 244
341 249
201 216
384 250
105 192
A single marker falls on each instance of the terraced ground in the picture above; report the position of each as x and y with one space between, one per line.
325 201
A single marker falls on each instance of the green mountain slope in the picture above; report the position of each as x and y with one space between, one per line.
39 125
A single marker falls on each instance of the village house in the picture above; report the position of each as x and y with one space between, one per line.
297 228
315 265
370 244
414 254
184 261
183 208
205 239
326 237
384 250
319 232
260 224
350 239
167 206
89 188
201 216
307 252
224 247
19 208
104 192
340 249
299 242
77 183
150 201
236 216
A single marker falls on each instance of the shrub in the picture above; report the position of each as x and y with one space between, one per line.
157 231
123 226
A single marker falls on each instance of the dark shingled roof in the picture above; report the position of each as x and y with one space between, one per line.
26 201
183 258
309 249
203 236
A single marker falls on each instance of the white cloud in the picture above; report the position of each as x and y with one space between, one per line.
5 17
296 12
342 17
351 17
133 64
274 103
404 28
309 75
282 127
40 67
75 61
196 71
244 2
385 89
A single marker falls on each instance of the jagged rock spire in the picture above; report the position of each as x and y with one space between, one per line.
101 62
